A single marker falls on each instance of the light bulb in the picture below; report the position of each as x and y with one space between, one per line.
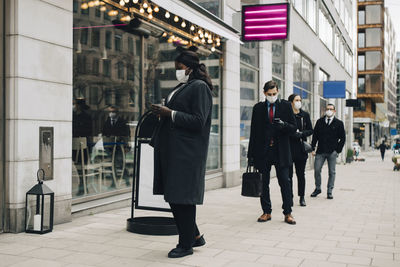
176 19
183 25
200 31
84 6
126 18
196 38
135 1
164 34
150 16
156 9
218 44
112 13
91 4
97 2
192 28
145 5
210 41
141 10
201 35
203 40
126 1
167 15
102 3
218 40
149 10
122 3
213 49
103 8
206 34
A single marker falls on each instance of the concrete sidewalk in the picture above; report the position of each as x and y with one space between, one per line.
359 227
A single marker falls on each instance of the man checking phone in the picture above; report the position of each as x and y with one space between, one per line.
272 123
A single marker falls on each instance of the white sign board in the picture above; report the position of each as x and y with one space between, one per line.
146 173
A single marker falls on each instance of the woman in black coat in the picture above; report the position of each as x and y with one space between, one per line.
180 148
299 155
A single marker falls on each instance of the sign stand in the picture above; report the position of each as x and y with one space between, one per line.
142 185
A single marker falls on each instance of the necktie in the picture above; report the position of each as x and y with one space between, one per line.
328 121
112 122
271 112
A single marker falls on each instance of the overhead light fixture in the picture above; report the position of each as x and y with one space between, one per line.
103 8
167 15
164 34
203 40
213 49
183 25
112 13
156 9
150 16
176 18
210 41
141 10
145 5
126 1
97 2
135 1
192 28
206 34
91 3
122 3
149 10
126 18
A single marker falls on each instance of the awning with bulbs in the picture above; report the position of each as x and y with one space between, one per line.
188 14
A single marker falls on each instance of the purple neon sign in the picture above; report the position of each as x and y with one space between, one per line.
265 22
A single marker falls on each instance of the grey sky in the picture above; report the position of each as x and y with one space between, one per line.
394 10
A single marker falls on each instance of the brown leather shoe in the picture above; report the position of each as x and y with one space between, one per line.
264 218
289 219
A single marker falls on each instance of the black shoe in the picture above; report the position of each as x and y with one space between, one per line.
330 196
302 202
180 252
316 192
199 242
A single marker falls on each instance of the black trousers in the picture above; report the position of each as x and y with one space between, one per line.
383 154
284 183
300 166
185 219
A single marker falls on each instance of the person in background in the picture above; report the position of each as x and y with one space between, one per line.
115 125
299 155
382 148
330 136
180 148
272 123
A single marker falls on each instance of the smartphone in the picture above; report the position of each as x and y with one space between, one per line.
277 119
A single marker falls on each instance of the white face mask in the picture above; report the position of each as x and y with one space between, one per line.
181 76
297 105
329 113
272 99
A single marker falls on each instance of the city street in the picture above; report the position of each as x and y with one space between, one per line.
359 227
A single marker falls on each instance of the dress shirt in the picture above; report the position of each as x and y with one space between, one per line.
273 108
330 119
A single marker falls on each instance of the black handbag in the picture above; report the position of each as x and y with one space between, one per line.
251 183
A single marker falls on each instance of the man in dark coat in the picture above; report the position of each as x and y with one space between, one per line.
330 135
115 125
272 123
180 148
382 147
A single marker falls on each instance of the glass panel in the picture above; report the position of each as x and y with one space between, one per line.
212 6
373 37
361 39
306 74
296 68
278 60
361 62
361 85
373 84
373 14
373 60
361 17
248 95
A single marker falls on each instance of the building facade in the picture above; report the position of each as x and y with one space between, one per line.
376 74
95 72
398 91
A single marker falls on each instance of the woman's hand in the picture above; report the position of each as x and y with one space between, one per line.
161 111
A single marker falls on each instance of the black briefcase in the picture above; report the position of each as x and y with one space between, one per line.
251 182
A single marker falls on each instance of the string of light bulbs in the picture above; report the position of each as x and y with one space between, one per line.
146 9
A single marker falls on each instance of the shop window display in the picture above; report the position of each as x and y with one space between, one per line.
117 76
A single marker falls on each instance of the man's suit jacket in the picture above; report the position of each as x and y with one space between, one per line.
261 129
120 128
329 137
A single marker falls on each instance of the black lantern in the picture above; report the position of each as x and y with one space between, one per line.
39 207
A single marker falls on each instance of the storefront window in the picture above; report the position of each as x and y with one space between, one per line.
249 91
212 6
302 79
116 78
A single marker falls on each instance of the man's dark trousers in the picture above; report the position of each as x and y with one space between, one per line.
284 183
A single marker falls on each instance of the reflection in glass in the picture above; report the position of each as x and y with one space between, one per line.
373 83
361 39
212 6
373 14
373 37
361 85
373 60
361 62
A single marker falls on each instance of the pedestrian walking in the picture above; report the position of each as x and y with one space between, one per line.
330 136
272 123
382 148
299 155
180 148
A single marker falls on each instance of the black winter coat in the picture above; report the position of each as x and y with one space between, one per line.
304 126
180 147
329 137
261 129
120 128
